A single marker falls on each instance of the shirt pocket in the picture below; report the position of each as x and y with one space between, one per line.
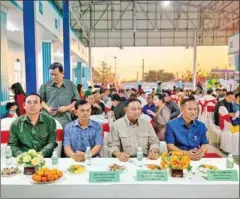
143 142
65 99
90 137
125 142
196 139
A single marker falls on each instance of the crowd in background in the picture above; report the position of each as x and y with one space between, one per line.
71 106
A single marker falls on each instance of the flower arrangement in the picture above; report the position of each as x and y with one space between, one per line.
175 160
31 159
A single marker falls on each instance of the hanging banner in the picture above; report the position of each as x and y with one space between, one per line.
233 44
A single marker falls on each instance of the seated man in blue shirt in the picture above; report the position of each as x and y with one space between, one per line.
149 106
185 133
82 133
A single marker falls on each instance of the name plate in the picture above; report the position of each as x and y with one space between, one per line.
222 175
103 176
155 175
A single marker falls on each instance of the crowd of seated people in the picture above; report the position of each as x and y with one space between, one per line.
175 123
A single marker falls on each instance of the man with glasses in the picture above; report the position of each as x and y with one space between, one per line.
82 133
34 130
59 95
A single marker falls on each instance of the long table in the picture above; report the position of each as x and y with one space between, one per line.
78 186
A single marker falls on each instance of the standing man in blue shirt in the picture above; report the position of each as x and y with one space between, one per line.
185 133
82 133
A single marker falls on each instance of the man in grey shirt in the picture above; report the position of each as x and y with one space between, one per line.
58 95
173 107
130 132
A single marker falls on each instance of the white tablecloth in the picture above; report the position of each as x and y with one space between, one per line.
77 186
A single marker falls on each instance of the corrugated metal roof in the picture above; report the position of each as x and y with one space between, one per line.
155 23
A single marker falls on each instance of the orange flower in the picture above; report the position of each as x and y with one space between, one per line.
164 165
177 153
184 165
176 160
164 155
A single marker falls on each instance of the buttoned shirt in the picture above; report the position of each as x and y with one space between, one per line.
127 137
25 136
183 137
56 97
79 139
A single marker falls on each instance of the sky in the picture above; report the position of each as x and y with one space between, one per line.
170 59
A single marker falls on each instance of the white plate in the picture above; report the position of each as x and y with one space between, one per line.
85 169
122 171
10 175
14 174
146 166
205 170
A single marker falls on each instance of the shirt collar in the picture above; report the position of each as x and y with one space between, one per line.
182 122
63 84
76 123
151 105
25 118
129 123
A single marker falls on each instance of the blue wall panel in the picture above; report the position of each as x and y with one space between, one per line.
29 46
66 39
46 60
79 73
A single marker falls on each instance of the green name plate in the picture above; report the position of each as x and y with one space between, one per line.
223 175
103 176
155 175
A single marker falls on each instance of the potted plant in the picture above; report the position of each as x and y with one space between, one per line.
177 162
31 161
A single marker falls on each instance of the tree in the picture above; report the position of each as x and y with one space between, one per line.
103 74
160 75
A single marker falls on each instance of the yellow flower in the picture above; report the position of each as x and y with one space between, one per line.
32 152
35 161
40 157
26 158
164 154
177 153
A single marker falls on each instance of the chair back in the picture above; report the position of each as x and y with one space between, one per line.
224 118
59 138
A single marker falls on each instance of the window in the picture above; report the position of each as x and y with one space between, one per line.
17 71
40 7
83 73
56 23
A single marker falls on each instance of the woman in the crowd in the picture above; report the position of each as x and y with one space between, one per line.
198 94
19 96
161 117
80 91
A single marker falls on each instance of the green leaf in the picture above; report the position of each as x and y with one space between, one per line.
189 168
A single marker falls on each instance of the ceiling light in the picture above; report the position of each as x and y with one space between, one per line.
166 3
58 54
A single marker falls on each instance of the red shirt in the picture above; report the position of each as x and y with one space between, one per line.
20 102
